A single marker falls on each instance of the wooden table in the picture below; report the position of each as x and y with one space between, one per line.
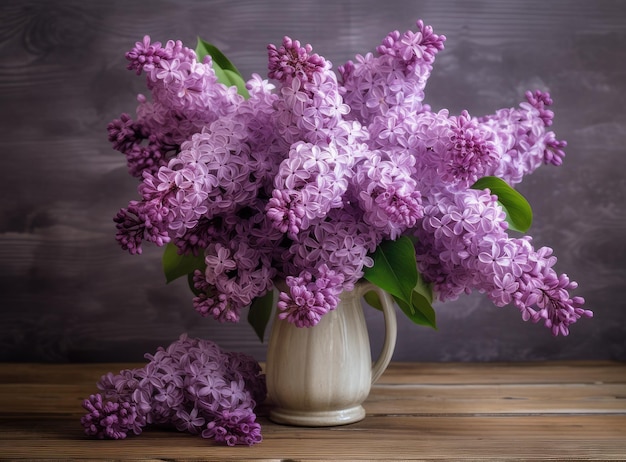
541 411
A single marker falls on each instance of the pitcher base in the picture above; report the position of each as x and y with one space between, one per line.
317 418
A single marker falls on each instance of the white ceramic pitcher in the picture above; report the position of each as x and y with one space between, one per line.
320 376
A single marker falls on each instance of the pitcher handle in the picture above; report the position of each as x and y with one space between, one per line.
391 329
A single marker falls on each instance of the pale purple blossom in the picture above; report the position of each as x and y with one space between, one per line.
192 385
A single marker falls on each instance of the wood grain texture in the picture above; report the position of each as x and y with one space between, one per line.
572 410
69 294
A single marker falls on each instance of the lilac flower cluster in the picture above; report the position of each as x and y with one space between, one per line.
192 385
303 180
463 245
185 97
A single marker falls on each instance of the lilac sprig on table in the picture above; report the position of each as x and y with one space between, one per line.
191 385
320 179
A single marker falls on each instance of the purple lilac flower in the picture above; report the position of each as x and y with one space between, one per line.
472 154
387 193
396 77
293 61
414 48
463 246
113 420
234 427
192 384
211 176
525 143
185 97
239 265
286 211
141 221
310 297
309 183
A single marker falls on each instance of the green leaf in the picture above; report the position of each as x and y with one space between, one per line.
260 312
394 269
176 265
519 213
204 48
424 289
423 302
225 71
420 311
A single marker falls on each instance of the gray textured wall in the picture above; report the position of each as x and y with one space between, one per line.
68 293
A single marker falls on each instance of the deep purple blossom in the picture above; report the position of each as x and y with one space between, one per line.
285 211
234 427
141 221
291 60
113 420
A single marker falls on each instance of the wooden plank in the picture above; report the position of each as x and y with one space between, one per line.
503 373
384 399
401 438
88 373
397 372
499 399
416 389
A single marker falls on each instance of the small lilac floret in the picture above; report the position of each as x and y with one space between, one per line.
113 420
291 60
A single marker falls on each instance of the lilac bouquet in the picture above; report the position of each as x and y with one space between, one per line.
321 179
191 385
